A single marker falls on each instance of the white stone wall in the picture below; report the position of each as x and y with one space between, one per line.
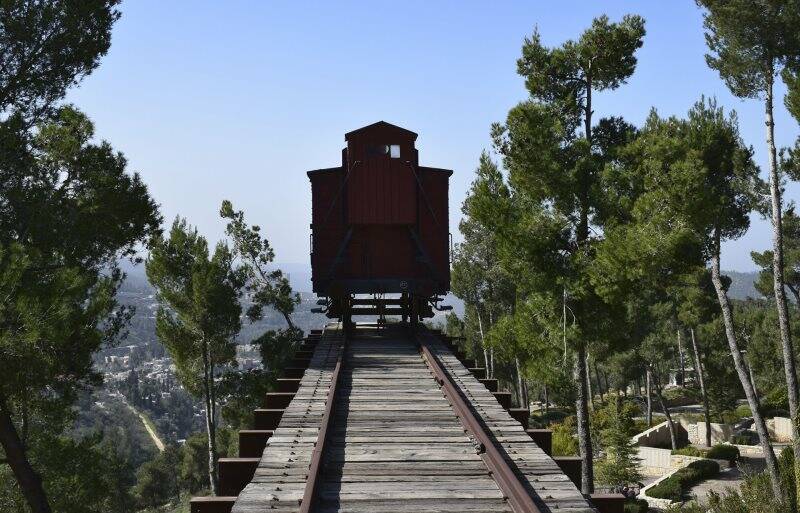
658 435
780 429
720 433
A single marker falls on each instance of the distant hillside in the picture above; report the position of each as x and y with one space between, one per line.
742 285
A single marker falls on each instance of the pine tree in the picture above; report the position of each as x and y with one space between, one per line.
554 152
751 42
198 316
620 468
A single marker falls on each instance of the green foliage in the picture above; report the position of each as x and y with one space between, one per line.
724 452
790 227
636 506
157 480
749 41
81 476
681 395
690 451
745 438
193 470
754 496
602 58
199 314
50 46
564 441
667 489
620 466
707 468
199 311
69 211
675 486
267 287
787 469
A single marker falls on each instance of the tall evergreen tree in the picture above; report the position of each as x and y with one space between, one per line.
69 211
697 185
199 315
478 277
550 147
750 43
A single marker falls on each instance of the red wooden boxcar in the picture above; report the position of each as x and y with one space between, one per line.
380 226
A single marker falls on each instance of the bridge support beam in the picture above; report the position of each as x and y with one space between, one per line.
608 502
571 467
543 438
211 504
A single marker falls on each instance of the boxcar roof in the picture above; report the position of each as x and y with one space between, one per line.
381 126
324 170
438 170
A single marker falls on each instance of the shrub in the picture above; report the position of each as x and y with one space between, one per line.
620 466
667 489
724 452
786 470
690 451
746 437
680 395
676 485
636 506
754 496
706 468
564 443
553 416
742 411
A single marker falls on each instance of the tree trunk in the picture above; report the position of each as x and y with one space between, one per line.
546 399
673 436
491 361
582 415
483 343
211 428
793 392
525 394
520 386
288 320
27 478
741 370
698 370
680 359
589 385
599 384
649 393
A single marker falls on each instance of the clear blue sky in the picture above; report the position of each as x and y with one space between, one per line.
236 100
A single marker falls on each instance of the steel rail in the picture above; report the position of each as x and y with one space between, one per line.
315 467
510 484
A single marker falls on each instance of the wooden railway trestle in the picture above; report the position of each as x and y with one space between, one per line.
362 429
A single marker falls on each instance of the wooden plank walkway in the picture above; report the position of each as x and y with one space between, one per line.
280 477
395 443
552 488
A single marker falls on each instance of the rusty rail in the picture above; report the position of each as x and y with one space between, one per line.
510 484
315 467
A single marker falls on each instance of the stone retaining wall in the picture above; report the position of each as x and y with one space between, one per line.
780 429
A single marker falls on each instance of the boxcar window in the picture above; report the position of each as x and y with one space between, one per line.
394 151
375 151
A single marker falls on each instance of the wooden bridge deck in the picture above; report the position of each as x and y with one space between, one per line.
395 443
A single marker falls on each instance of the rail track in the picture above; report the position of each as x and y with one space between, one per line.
409 429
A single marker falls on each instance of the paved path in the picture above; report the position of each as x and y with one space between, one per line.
728 478
153 434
